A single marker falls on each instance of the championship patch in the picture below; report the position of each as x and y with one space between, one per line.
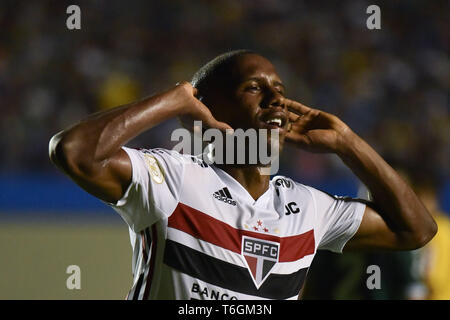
261 256
154 168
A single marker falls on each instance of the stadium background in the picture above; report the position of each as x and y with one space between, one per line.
389 85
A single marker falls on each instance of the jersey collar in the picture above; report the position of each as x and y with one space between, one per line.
235 186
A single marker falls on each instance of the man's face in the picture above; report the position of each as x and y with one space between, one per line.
252 97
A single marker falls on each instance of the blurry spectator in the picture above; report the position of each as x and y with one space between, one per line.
116 90
390 85
344 276
433 261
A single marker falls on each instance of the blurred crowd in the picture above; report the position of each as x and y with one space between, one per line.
389 85
420 274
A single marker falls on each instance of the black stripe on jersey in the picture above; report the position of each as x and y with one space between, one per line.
222 193
350 199
230 276
146 243
152 240
227 193
148 238
199 161
134 293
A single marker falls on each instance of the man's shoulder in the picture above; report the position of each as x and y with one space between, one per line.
286 184
173 156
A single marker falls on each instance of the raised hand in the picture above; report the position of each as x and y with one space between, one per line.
315 130
194 109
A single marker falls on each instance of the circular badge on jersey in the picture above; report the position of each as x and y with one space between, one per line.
154 169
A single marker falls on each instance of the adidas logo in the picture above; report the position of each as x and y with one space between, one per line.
225 196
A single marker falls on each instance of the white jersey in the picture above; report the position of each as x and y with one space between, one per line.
197 233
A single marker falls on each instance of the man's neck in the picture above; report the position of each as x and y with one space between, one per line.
250 178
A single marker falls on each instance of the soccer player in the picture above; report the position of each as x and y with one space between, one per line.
202 231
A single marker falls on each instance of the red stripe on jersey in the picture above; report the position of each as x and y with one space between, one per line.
219 233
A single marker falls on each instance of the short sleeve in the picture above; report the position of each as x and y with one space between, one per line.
153 193
337 220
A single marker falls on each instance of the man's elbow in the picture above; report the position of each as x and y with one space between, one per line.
55 149
63 153
431 232
422 237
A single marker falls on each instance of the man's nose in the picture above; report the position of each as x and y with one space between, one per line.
274 99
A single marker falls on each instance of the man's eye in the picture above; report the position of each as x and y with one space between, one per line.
253 88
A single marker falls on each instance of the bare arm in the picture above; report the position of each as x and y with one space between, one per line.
90 151
398 219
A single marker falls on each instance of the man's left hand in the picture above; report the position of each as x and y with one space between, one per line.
315 130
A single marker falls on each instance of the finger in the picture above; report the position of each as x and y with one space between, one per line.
188 86
299 128
297 107
305 120
208 124
211 122
299 123
297 139
183 83
223 126
293 117
196 94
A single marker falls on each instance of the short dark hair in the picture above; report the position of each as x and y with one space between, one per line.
207 76
210 76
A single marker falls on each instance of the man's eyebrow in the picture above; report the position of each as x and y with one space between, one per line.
276 82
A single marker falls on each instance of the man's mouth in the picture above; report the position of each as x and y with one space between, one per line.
274 120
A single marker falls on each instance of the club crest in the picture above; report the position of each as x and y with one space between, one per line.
260 256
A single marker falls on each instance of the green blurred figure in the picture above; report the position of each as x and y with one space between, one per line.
349 276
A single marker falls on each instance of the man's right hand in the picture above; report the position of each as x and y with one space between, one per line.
193 109
90 152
